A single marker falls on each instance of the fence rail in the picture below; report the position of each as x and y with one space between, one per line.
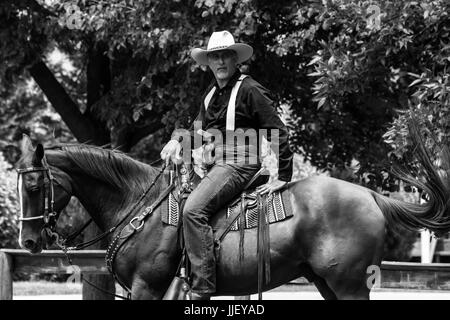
400 275
48 261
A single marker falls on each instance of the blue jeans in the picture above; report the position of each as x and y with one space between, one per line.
222 183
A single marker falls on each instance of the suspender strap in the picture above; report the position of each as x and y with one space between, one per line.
209 97
230 124
232 104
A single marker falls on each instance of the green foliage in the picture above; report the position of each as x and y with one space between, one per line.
342 74
430 107
27 111
361 73
9 232
22 39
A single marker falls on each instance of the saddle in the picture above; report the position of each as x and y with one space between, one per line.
248 210
232 215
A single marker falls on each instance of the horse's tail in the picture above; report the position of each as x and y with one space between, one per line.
435 213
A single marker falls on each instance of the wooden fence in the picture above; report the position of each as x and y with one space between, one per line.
48 261
400 275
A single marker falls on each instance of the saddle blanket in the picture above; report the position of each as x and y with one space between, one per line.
278 210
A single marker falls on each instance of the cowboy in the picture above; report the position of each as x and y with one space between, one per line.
253 109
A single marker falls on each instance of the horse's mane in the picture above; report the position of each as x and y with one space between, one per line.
112 166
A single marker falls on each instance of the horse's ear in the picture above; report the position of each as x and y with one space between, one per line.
26 145
38 154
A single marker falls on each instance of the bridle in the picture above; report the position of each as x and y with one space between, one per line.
49 215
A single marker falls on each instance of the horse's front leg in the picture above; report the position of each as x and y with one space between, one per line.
140 290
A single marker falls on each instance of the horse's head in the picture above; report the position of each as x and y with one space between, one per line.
43 192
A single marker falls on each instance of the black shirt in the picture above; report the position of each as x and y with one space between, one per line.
254 109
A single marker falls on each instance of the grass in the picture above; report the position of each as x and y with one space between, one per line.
35 288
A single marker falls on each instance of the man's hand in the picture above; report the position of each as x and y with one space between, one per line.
271 187
171 151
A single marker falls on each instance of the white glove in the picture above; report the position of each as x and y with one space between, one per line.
172 151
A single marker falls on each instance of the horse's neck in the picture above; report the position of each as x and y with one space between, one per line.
103 203
106 204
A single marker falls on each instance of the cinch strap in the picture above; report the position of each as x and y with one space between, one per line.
231 104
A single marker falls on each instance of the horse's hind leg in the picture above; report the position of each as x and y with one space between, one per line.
324 289
349 281
319 282
342 277
353 291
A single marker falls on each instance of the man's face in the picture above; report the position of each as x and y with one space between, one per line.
223 64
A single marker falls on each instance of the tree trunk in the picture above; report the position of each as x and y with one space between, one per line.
83 126
98 74
98 84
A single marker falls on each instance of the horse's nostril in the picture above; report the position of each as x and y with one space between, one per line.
29 244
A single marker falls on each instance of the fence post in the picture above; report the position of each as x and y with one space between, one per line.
6 282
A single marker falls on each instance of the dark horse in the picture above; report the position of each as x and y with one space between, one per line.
337 230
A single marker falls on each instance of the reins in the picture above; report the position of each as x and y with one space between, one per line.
49 218
101 236
111 230
75 234
106 233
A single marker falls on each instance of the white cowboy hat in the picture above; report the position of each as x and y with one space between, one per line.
222 40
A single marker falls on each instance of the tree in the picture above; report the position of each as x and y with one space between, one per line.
26 111
361 73
342 74
430 107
